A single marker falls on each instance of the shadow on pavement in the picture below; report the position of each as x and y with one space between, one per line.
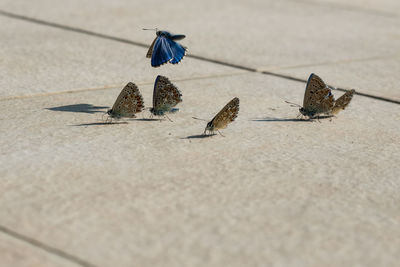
292 119
199 136
100 123
278 119
145 119
84 108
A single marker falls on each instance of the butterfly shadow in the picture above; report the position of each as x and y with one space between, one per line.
278 119
271 119
82 108
145 119
198 136
100 123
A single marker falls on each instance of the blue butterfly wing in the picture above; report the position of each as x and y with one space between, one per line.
177 37
178 51
161 52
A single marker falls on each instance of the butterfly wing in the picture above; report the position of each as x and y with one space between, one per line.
177 37
318 97
343 101
165 95
226 115
150 51
129 102
162 52
178 51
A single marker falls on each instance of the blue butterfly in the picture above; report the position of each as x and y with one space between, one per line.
164 49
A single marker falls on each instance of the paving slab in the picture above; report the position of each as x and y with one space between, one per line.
273 191
37 59
19 254
260 35
251 33
376 77
383 8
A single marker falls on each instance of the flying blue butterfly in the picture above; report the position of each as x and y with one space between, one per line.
164 49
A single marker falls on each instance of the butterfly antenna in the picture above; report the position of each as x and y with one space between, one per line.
155 29
293 104
199 119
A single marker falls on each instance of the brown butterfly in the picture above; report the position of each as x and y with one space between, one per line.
165 96
342 102
128 103
224 117
318 99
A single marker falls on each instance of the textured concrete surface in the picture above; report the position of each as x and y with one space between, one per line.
258 34
274 191
14 252
358 75
387 8
41 59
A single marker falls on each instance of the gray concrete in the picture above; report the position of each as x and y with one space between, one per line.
356 74
38 59
14 252
273 192
258 34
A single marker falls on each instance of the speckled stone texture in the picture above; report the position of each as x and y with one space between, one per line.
275 191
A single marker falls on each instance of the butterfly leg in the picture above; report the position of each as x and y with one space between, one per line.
309 118
303 118
168 118
220 133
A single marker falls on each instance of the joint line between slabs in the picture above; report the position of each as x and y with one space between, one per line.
80 90
215 61
47 248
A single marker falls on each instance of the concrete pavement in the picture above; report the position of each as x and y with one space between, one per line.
274 192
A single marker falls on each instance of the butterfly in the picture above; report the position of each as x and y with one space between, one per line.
224 117
318 99
164 49
342 102
165 96
128 103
